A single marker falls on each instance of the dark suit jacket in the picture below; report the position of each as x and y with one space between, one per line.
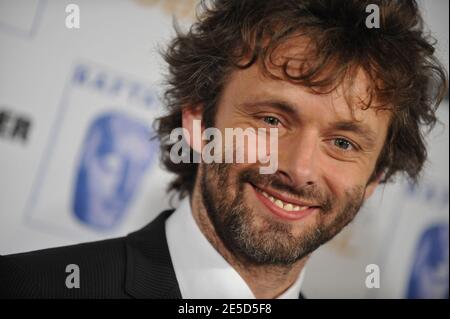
135 266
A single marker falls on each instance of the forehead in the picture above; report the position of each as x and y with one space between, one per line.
344 103
347 101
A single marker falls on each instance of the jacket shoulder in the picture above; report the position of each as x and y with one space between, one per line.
53 273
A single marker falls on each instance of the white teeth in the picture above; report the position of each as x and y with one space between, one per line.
286 206
279 203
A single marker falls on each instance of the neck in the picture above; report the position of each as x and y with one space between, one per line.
265 281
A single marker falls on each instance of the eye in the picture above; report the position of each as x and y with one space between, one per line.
272 121
343 144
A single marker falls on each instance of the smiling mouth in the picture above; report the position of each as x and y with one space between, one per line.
283 207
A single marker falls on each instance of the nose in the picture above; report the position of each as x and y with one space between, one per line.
299 159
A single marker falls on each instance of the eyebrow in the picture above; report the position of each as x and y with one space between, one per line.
281 105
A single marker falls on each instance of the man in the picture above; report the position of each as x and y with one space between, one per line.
349 102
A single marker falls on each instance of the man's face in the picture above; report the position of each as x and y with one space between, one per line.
326 156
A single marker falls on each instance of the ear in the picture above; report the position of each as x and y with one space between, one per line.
191 117
371 186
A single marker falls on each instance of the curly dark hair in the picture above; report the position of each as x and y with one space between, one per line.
398 57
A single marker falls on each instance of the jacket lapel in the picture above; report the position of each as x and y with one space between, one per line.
150 273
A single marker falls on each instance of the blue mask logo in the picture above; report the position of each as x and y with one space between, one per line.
116 152
429 275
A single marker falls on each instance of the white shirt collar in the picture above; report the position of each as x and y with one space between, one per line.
200 270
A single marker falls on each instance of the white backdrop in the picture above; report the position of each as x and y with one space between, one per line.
65 94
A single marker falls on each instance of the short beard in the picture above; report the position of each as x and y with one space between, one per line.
272 243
